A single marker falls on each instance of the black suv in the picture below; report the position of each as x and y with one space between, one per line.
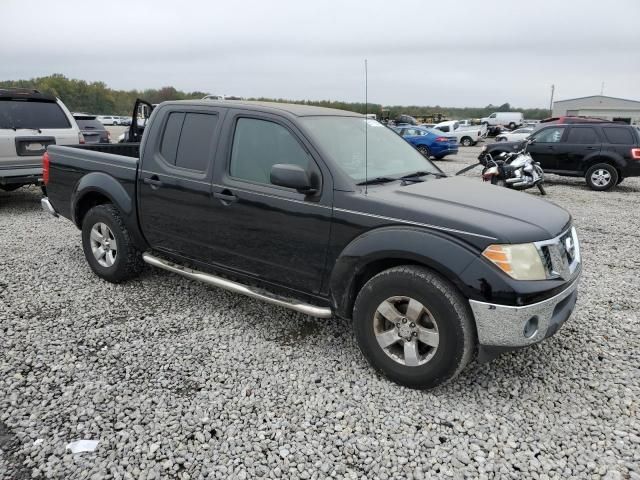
603 153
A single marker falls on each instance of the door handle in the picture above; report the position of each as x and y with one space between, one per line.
591 148
225 196
153 181
550 147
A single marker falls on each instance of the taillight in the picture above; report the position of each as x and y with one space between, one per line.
442 139
80 138
635 153
108 136
45 168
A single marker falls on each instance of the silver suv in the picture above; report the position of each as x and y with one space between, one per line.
29 122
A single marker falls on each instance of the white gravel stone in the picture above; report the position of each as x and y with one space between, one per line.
179 380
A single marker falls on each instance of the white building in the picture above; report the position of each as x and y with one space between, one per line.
600 106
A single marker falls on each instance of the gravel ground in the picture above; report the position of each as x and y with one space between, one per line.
178 380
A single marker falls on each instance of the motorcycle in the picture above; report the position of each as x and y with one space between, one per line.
515 170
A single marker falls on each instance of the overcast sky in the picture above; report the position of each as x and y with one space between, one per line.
448 53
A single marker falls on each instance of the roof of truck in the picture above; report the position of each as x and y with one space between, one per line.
291 108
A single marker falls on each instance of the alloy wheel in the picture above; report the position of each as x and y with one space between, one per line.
600 177
103 244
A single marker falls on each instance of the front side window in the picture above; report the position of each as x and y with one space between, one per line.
260 144
343 139
31 114
550 135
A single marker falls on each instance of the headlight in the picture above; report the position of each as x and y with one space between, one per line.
521 261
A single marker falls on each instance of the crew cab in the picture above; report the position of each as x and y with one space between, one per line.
604 153
29 122
281 203
466 136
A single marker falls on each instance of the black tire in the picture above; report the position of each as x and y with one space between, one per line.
127 258
450 313
601 177
498 181
424 150
512 126
466 141
439 158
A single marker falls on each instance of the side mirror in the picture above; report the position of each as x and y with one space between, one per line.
531 141
292 176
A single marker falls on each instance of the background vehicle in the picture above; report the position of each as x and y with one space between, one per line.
141 112
429 142
604 153
515 136
108 120
465 137
29 122
427 267
405 120
92 130
509 119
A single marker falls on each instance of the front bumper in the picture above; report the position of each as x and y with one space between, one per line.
503 327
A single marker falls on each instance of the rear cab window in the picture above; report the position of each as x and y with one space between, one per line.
188 139
32 114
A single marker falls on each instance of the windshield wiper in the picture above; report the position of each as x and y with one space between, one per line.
375 180
422 173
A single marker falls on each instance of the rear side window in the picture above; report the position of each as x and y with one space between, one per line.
582 135
188 140
30 114
618 135
260 144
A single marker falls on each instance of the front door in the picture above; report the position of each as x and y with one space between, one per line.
175 181
545 147
273 233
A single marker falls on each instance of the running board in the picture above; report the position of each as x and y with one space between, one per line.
235 287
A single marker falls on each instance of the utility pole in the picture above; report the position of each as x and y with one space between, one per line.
602 89
553 88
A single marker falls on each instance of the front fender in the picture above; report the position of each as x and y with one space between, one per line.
99 182
390 246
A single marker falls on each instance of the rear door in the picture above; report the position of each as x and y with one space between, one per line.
270 232
580 142
545 147
174 182
621 140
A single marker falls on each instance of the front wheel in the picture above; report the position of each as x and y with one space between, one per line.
424 150
107 245
414 326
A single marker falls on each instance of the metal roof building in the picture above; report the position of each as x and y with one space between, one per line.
607 108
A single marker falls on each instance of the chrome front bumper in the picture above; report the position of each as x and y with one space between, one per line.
47 207
508 326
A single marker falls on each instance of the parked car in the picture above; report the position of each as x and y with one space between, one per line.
92 130
405 120
30 121
430 269
603 153
509 119
429 142
125 121
108 120
515 136
465 137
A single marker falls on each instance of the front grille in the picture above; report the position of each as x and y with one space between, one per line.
560 255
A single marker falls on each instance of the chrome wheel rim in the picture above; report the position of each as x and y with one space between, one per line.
601 177
103 244
406 331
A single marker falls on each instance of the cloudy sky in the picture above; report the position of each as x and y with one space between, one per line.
448 53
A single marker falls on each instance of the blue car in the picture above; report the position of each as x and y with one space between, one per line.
430 143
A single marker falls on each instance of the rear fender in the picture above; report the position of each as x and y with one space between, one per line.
386 247
611 158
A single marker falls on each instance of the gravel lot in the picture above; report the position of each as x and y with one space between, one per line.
178 380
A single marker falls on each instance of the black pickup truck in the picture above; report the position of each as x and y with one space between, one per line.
602 152
281 203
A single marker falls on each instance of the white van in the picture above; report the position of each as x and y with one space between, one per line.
508 119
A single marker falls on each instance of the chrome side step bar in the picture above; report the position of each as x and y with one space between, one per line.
235 287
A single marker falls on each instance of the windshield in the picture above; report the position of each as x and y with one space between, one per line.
28 114
343 138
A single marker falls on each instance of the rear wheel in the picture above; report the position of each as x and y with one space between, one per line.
466 141
601 177
512 126
424 150
414 326
107 245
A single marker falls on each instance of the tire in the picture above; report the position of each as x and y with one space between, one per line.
114 265
512 126
601 177
498 181
444 321
424 150
439 158
466 141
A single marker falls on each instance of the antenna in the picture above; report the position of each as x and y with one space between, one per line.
366 122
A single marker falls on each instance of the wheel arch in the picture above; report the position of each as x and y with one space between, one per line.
388 247
610 158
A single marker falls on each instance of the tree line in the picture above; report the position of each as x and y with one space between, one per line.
97 98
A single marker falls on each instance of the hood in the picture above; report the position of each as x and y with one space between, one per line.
470 209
